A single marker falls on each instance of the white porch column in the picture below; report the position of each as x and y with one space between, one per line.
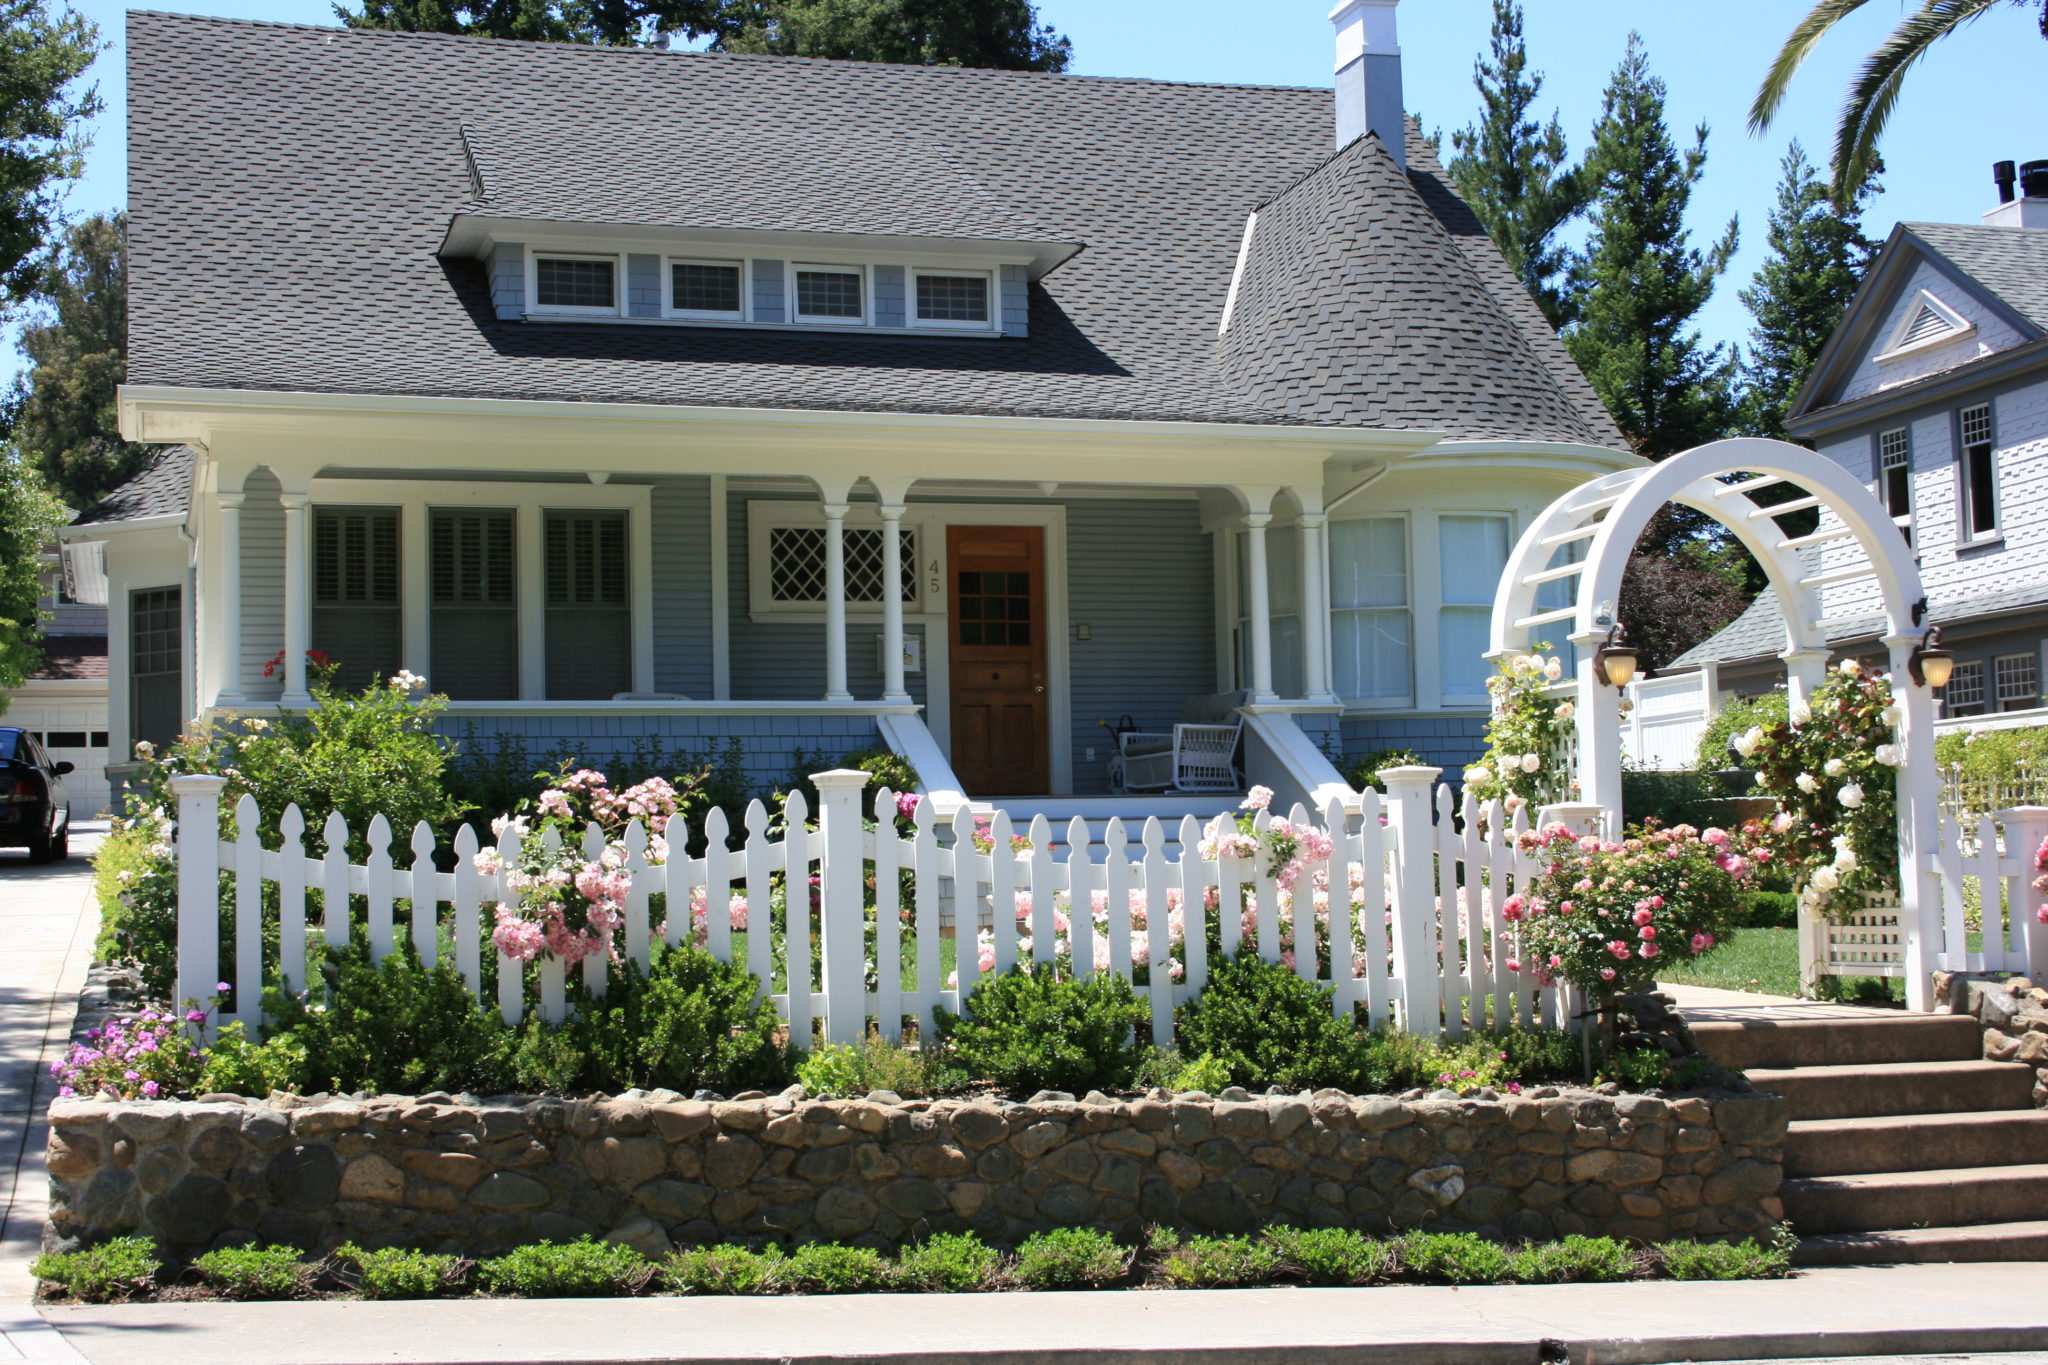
892 493
1806 669
1261 605
228 630
1919 792
1315 611
835 602
298 598
1599 731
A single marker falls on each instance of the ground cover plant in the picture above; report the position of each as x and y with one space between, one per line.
944 1263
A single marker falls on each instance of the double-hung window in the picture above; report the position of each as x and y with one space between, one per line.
356 610
1472 552
473 604
155 657
706 289
589 619
835 294
1895 477
1979 471
1964 695
576 284
950 299
2018 680
1372 629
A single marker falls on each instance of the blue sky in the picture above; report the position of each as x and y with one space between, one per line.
1971 103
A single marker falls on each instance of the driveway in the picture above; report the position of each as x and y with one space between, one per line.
47 924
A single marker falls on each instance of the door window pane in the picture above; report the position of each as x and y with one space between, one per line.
474 601
1472 552
589 621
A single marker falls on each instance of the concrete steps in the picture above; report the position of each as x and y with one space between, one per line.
1905 1144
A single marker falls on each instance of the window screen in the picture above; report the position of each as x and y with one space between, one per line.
356 613
1980 492
1371 630
698 287
589 621
155 629
1472 551
828 294
564 282
952 298
1964 695
2018 680
474 601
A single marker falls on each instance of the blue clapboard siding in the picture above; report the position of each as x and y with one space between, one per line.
768 303
1138 573
262 584
508 280
680 511
889 296
643 285
1015 291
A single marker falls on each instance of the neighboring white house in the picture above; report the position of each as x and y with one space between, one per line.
64 701
1934 390
1168 400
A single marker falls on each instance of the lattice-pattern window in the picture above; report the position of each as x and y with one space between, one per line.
574 282
2018 681
1980 482
1895 476
796 564
1964 695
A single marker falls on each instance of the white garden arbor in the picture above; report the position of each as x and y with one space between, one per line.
1566 571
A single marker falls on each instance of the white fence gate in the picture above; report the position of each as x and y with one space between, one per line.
1414 887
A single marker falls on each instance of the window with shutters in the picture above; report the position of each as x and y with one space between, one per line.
357 616
2018 679
1964 695
473 603
589 615
1895 477
1979 473
156 622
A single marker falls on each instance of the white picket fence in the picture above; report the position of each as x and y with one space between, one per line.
1429 949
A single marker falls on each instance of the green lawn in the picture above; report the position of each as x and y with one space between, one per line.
1762 960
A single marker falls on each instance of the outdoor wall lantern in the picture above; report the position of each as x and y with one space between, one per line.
1931 665
1615 661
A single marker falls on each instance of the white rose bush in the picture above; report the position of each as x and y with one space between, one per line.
1528 728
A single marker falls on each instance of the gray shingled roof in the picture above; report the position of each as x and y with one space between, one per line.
316 169
1760 630
163 487
2011 263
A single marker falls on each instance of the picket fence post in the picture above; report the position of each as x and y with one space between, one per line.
198 857
1413 835
2025 829
842 877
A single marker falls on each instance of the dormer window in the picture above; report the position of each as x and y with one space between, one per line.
952 299
830 293
582 285
706 289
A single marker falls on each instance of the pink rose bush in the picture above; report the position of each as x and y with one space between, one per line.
1606 916
2041 881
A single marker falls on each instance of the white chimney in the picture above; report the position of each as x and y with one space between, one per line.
1369 76
2022 195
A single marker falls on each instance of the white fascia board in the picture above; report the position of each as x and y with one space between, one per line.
100 530
1555 456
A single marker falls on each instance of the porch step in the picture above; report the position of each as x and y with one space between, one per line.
1911 1200
1898 1088
1883 1037
1916 1142
2027 1241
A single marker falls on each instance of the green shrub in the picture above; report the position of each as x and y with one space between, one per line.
1759 909
1262 1024
1330 1256
1205 1074
1671 798
1365 772
1595 1259
581 1269
1454 1257
106 1273
1070 1258
721 1270
253 1272
1214 1262
1637 1068
395 1027
1029 1030
1688 1260
1735 716
948 1263
836 1070
400 1273
828 1268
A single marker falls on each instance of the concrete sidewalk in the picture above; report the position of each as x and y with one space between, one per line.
1892 1310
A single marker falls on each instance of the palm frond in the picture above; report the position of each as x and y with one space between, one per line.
1875 92
1815 26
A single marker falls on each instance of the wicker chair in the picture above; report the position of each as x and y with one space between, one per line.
1198 755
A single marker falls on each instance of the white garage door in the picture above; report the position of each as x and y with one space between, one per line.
75 732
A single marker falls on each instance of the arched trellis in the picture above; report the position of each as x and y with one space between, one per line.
1609 515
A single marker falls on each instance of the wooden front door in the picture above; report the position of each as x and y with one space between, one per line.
996 609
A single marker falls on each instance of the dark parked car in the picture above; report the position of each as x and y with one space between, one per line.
34 812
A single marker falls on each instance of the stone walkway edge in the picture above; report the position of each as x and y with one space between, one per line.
1890 1310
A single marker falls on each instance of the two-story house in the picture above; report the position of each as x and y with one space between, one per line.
1934 390
819 405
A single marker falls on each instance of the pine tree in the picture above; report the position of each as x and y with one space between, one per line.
63 406
1797 297
41 58
1514 172
1639 283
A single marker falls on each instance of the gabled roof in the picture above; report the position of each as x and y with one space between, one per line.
318 170
2011 264
1759 633
163 488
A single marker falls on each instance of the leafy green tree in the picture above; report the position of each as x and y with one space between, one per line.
1797 297
1515 172
41 57
1639 283
1874 92
63 406
988 33
29 516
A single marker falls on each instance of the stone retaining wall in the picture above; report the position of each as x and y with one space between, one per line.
657 1169
2014 1013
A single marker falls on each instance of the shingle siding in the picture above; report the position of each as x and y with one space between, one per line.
508 280
1014 292
643 285
1451 740
890 302
768 291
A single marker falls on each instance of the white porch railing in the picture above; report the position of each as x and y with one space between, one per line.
1415 893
